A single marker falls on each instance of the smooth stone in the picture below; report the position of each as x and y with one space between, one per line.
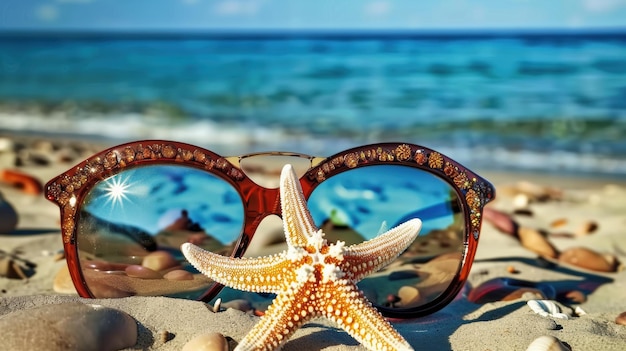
67 327
178 274
8 215
207 342
159 260
535 241
547 343
586 258
621 318
142 272
409 295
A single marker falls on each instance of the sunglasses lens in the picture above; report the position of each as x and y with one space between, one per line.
361 203
130 227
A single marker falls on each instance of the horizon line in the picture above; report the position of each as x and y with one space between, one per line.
321 33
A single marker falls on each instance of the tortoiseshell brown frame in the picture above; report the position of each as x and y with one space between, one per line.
69 189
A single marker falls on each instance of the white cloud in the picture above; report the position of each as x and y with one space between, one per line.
377 8
48 13
237 7
603 5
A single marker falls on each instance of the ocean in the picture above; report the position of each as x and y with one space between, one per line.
547 102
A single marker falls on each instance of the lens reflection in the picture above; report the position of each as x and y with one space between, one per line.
359 204
132 224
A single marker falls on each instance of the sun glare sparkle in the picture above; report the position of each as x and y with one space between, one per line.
116 190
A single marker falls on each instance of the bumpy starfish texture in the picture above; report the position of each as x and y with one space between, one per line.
311 278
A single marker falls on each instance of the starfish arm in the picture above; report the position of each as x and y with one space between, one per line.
352 312
370 256
263 274
297 219
282 318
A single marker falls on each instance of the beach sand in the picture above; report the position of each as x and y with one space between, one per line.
571 212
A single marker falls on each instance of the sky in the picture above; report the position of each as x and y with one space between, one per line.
310 14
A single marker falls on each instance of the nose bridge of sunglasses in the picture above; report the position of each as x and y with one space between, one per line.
264 168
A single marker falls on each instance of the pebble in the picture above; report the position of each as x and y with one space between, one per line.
207 342
621 318
535 241
547 343
586 258
557 223
587 228
576 296
178 275
8 215
68 326
409 295
142 272
159 260
551 324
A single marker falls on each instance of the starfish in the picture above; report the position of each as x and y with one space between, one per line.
311 278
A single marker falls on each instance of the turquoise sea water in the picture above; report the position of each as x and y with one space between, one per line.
548 102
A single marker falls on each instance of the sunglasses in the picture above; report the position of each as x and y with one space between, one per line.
126 211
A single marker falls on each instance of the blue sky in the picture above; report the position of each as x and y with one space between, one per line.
310 14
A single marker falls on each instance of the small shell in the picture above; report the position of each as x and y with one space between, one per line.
535 241
547 343
546 308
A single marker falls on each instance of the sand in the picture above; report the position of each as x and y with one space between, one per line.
168 324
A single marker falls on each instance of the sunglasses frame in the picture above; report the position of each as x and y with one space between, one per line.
69 189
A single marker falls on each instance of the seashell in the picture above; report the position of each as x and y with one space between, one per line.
178 275
63 282
142 272
8 215
535 241
159 260
207 342
579 311
217 305
547 343
546 308
621 319
502 221
587 228
589 259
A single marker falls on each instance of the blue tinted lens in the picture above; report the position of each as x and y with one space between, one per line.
361 203
128 217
